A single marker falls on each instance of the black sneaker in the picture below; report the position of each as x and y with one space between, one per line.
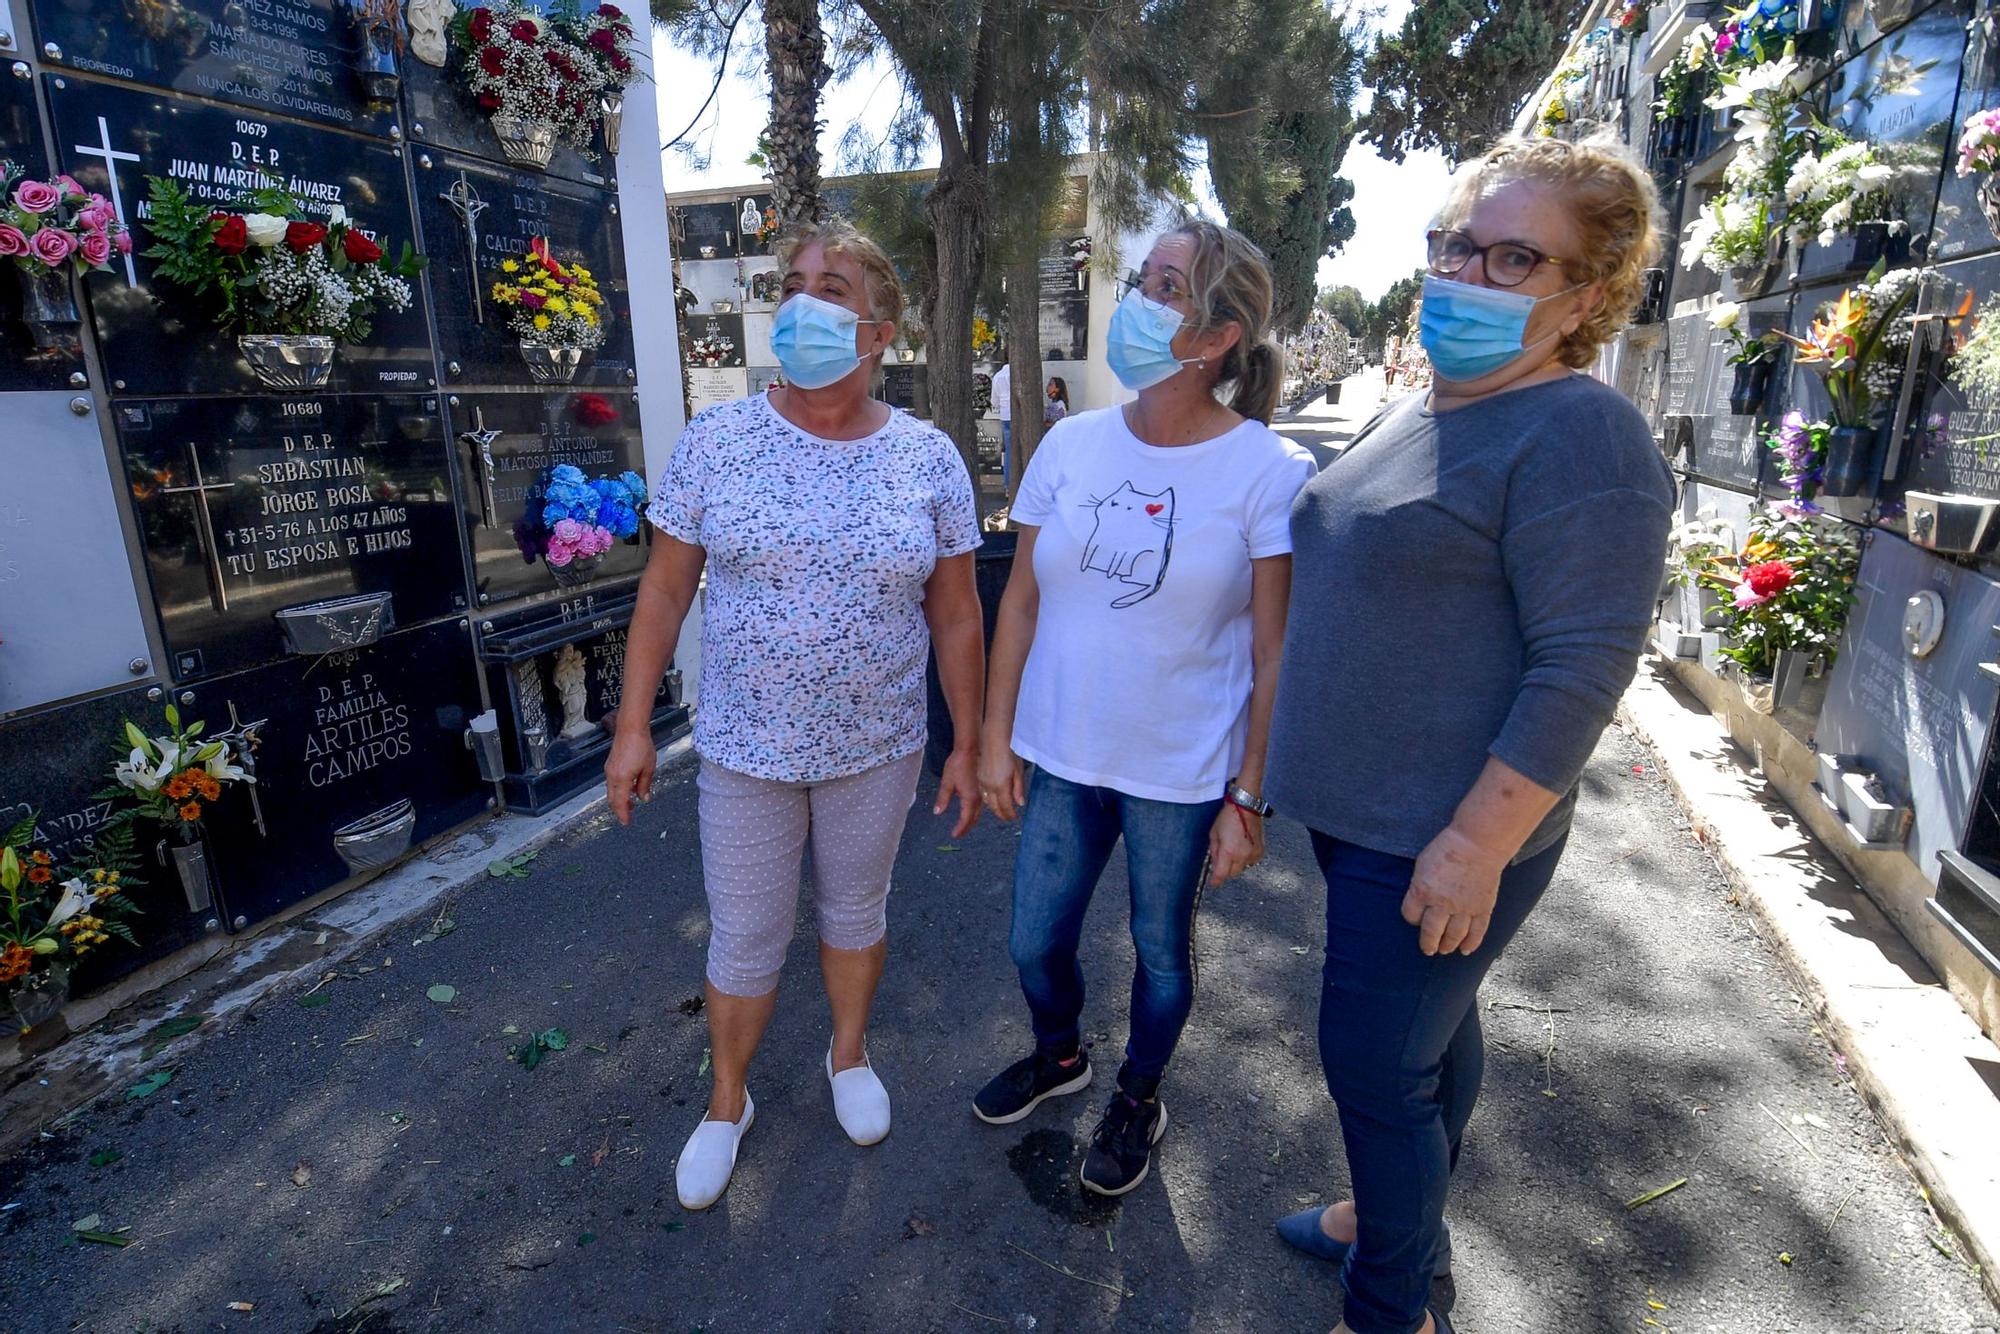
1121 1148
1022 1086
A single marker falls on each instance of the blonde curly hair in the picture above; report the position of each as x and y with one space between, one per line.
1612 204
878 271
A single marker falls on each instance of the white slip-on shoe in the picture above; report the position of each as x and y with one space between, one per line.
860 1101
709 1157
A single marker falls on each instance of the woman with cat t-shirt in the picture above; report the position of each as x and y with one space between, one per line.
1134 665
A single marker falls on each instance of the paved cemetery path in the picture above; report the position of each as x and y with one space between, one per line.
378 1162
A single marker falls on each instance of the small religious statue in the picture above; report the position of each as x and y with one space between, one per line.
751 222
571 687
429 20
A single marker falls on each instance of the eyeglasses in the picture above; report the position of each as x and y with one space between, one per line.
1507 263
1160 288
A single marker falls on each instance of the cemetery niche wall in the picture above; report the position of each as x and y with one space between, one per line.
321 528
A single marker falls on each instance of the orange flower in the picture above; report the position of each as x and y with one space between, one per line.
190 812
40 875
41 858
15 962
179 786
207 787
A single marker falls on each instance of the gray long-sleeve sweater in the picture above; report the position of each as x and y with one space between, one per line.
1466 583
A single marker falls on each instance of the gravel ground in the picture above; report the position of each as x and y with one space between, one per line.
378 1161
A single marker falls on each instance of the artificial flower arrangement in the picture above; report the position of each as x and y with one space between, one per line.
1789 589
1631 19
1833 192
57 226
1736 231
169 778
1979 155
1754 357
555 309
984 338
572 520
52 916
540 78
1800 449
288 286
767 226
710 349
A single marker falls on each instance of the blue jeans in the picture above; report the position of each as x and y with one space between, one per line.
1067 835
1399 1039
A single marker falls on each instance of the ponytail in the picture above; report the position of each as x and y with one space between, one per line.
1232 281
1259 382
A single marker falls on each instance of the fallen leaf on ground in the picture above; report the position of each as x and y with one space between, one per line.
302 1175
105 1157
88 1223
314 1001
443 994
567 1160
167 1030
150 1085
443 926
104 1238
947 847
1784 1257
586 1239
511 868
704 1063
554 1039
1652 1195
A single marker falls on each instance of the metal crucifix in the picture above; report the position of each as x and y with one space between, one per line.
465 202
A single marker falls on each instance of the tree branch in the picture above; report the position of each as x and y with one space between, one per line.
721 72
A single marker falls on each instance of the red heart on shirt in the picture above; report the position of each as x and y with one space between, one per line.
1154 509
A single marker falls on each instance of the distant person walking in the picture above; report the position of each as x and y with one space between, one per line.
1134 665
1055 404
838 535
1003 408
1475 577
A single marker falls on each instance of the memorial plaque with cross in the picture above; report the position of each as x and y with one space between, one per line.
505 443
253 508
302 58
477 216
111 139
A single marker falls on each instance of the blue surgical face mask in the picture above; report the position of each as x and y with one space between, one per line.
814 340
1471 331
1140 346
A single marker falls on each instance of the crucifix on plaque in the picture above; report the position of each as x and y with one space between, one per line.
465 202
481 438
218 589
112 157
242 739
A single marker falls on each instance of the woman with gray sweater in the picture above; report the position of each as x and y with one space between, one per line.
1473 582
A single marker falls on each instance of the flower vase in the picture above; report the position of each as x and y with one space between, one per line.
190 859
1788 677
48 308
375 61
579 571
1850 460
290 362
612 105
1752 280
549 364
1876 242
1989 201
1752 387
35 999
524 141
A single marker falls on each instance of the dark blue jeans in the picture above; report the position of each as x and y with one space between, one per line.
1067 835
1399 1038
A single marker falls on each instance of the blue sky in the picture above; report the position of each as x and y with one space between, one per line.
1393 202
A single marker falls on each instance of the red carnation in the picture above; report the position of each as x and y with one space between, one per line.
493 60
480 27
621 64
1769 579
610 12
604 40
359 248
594 410
524 30
303 236
490 101
232 236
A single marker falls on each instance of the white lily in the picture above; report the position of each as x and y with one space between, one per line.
75 898
222 771
141 774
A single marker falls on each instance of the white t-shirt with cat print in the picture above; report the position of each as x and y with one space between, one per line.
1139 678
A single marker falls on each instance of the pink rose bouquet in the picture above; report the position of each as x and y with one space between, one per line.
1979 144
45 225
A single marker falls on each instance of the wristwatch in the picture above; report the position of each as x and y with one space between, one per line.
1238 795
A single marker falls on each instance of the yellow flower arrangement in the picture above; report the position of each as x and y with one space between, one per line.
548 302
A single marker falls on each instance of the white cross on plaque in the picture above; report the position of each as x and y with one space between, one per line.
112 157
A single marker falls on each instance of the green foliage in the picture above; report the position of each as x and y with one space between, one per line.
1348 308
1808 615
1389 317
1456 74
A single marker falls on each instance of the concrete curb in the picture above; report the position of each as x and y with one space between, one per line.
1913 1053
222 978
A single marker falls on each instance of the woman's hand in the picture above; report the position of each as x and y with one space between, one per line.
1235 843
628 771
960 779
1003 782
1452 893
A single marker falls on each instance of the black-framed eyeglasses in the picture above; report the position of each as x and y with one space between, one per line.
1507 263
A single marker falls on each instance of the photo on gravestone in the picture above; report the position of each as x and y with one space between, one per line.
1952 446
757 224
362 757
256 512
34 354
154 338
328 61
1897 97
708 231
477 219
714 341
57 766
445 114
508 448
1064 272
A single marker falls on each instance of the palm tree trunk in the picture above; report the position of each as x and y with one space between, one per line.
795 55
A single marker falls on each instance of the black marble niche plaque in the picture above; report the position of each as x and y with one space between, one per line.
506 211
112 138
273 57
21 127
1955 446
249 507
344 737
443 114
714 341
707 231
504 444
21 366
56 765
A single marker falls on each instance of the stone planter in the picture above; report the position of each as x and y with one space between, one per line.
525 142
294 363
1872 817
1850 460
1746 282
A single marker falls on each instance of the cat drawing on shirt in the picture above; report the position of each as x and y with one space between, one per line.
1132 540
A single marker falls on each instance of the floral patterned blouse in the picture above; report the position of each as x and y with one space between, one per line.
813 636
